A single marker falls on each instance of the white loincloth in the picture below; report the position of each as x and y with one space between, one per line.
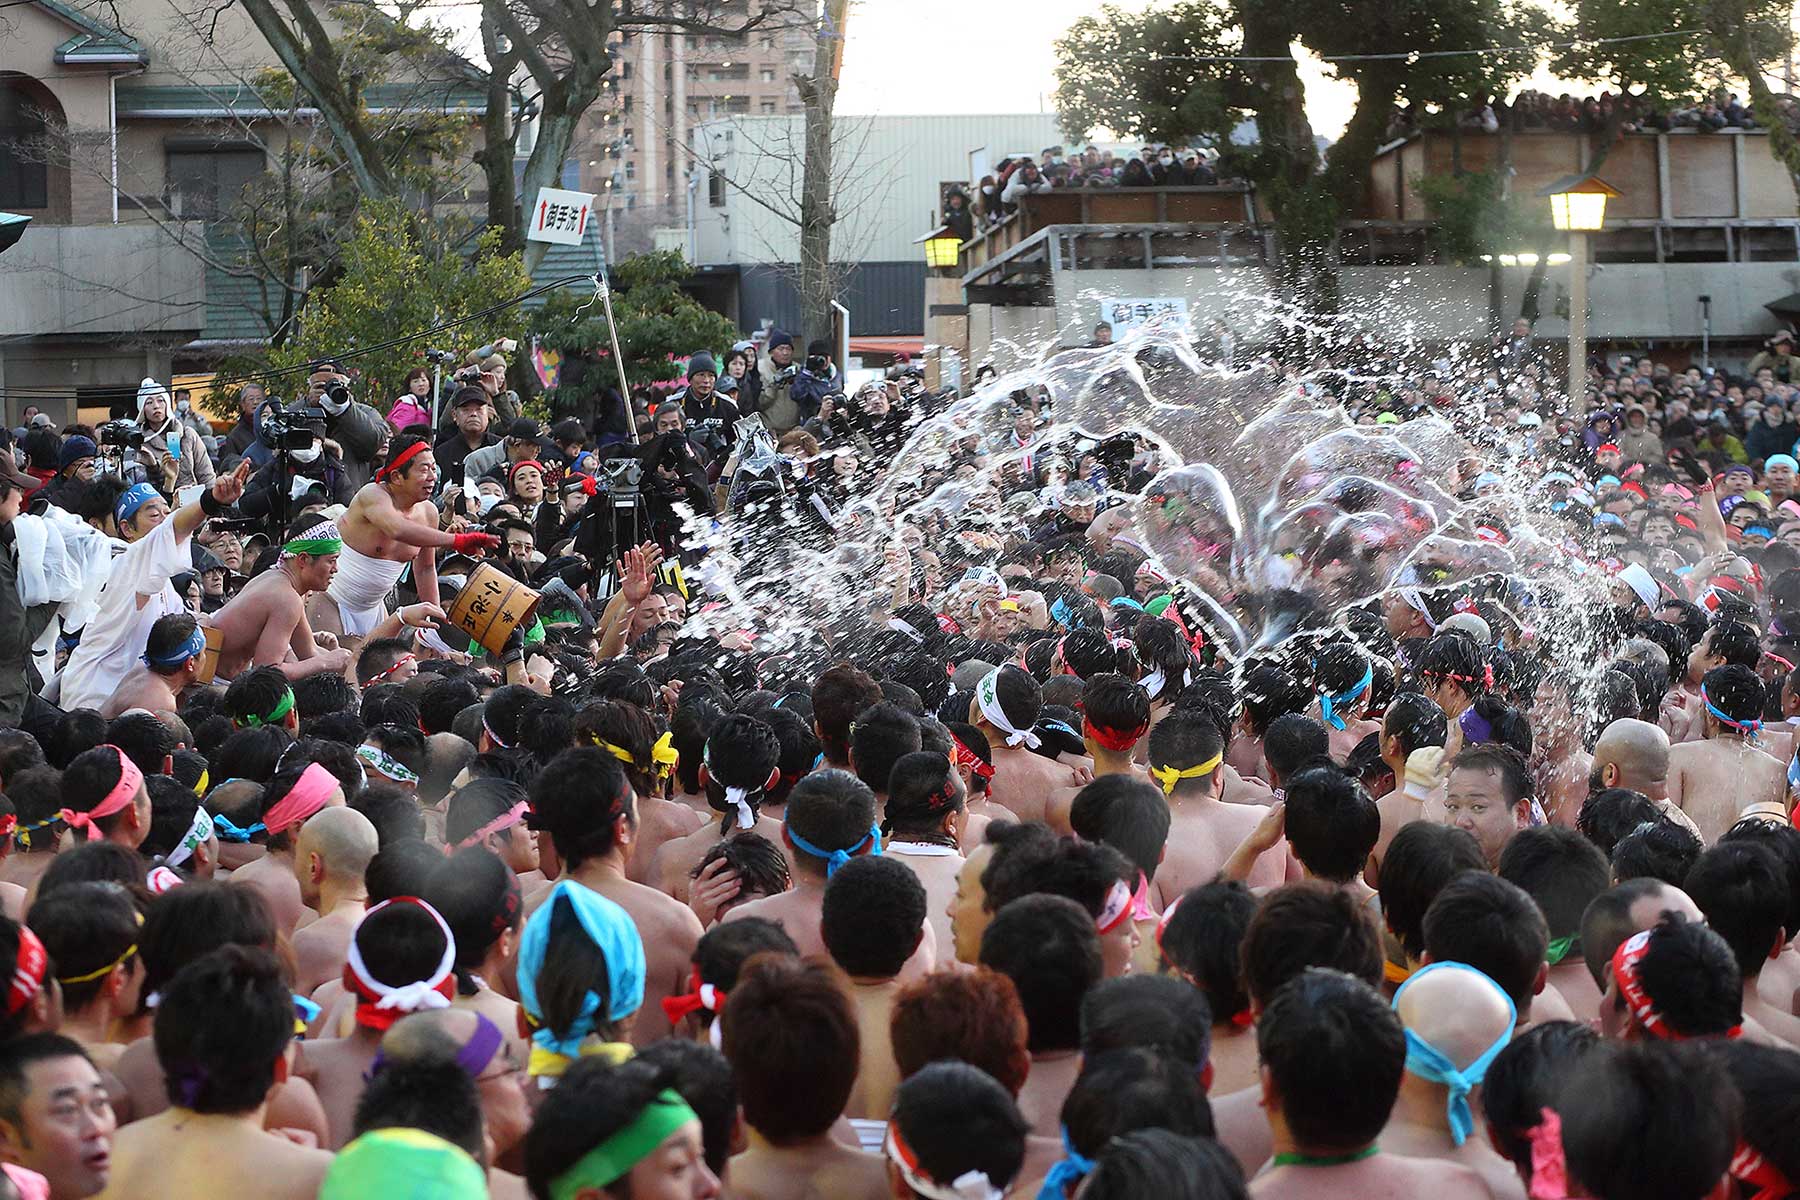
361 588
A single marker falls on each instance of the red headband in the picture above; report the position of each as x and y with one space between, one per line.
28 972
123 793
401 459
1113 739
966 757
1749 1167
698 996
1625 969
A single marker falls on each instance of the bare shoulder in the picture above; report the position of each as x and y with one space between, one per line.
424 510
1447 1180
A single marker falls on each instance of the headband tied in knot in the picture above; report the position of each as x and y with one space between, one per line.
699 997
970 1185
320 540
987 698
1329 705
1168 777
1748 728
379 1005
612 930
1073 1168
1428 1062
837 858
121 795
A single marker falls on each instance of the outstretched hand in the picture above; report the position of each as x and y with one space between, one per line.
227 489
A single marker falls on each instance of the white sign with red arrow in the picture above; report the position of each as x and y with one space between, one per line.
560 216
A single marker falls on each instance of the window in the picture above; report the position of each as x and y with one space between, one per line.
203 182
768 106
24 176
768 74
715 189
630 169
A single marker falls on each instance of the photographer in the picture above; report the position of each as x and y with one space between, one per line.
357 429
281 488
772 397
172 452
242 441
1777 355
818 379
620 514
701 402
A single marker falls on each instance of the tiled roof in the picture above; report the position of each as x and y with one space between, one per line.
95 42
559 262
239 99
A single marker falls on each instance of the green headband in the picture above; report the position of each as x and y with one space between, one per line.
313 547
613 1159
282 709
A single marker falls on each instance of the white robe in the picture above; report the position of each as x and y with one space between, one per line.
136 594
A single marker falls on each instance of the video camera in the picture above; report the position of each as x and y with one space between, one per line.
292 428
122 434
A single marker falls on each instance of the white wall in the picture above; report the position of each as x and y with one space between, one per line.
90 279
889 171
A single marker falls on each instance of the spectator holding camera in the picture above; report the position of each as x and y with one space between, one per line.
172 452
818 379
242 441
469 409
701 401
773 395
300 476
357 428
1777 355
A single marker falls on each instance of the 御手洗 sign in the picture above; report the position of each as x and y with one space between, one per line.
560 216
1134 312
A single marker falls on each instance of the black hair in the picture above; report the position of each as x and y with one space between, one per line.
251 754
79 730
1154 1012
1784 840
439 1098
1161 646
480 900
1332 825
1270 693
1304 925
442 699
1559 869
172 808
17 1056
19 751
590 1103
576 799
1738 643
1335 1053
958 1120
1456 657
830 810
1203 939
1164 1164
87 781
921 790
402 868
872 916
1085 872
1293 741
1658 849
1648 1119
879 736
187 922
254 695
689 728
741 752
921 670
700 1075
1742 890
1737 692
1609 814
723 950
344 726
976 743
390 704
1524 1079
321 693
1048 947
1416 720
574 967
761 867
1492 925
1124 812
143 737
1420 861
1499 759
1768 1080
222 1023
88 929
1184 739
839 695
1090 652
392 810
404 743
1135 1088
503 709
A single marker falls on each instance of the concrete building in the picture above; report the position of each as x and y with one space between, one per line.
891 174
122 143
637 140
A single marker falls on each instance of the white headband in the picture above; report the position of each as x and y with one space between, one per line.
418 995
987 698
198 833
970 1185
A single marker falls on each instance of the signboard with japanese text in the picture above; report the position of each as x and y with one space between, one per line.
560 216
1129 313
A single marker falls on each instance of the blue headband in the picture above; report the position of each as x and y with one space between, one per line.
1748 728
132 499
1428 1062
1762 529
1072 1169
227 831
611 929
836 858
1328 703
194 645
1127 602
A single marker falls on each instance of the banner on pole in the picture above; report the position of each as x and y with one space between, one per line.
560 216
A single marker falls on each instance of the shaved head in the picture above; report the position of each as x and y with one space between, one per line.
1459 1011
434 1036
1638 753
343 839
1631 907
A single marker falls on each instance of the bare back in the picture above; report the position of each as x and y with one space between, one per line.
1202 835
659 823
273 876
1383 1177
1024 781
176 1155
825 1172
670 929
141 688
335 1067
1712 781
268 600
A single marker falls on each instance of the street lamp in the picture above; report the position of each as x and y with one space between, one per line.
1578 208
942 248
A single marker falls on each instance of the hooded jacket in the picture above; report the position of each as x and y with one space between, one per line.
1639 445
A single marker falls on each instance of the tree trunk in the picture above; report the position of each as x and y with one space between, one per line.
555 133
497 133
817 213
1729 30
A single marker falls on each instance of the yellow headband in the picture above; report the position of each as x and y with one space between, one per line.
662 754
1170 776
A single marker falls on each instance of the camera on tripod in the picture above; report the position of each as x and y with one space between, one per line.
292 428
122 434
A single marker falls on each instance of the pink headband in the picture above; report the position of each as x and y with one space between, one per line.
505 820
307 797
123 793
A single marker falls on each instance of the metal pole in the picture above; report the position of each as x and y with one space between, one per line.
1706 333
437 391
1578 270
618 359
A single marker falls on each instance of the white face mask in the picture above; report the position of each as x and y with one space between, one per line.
183 406
330 406
308 455
486 501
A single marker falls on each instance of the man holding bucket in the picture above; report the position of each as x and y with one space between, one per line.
265 624
392 522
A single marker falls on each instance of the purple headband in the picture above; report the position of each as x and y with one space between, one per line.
473 1058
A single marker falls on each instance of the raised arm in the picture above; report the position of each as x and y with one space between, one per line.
224 492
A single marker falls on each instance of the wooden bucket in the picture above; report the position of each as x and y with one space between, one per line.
209 658
491 605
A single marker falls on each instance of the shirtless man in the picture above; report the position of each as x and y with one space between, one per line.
584 802
748 755
1412 722
1203 829
1738 887
217 1034
1324 1131
1342 675
1558 758
1715 779
330 856
1635 754
1467 1019
390 523
289 800
823 810
1727 643
1115 714
452 1035
265 624
171 662
872 920
1005 705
